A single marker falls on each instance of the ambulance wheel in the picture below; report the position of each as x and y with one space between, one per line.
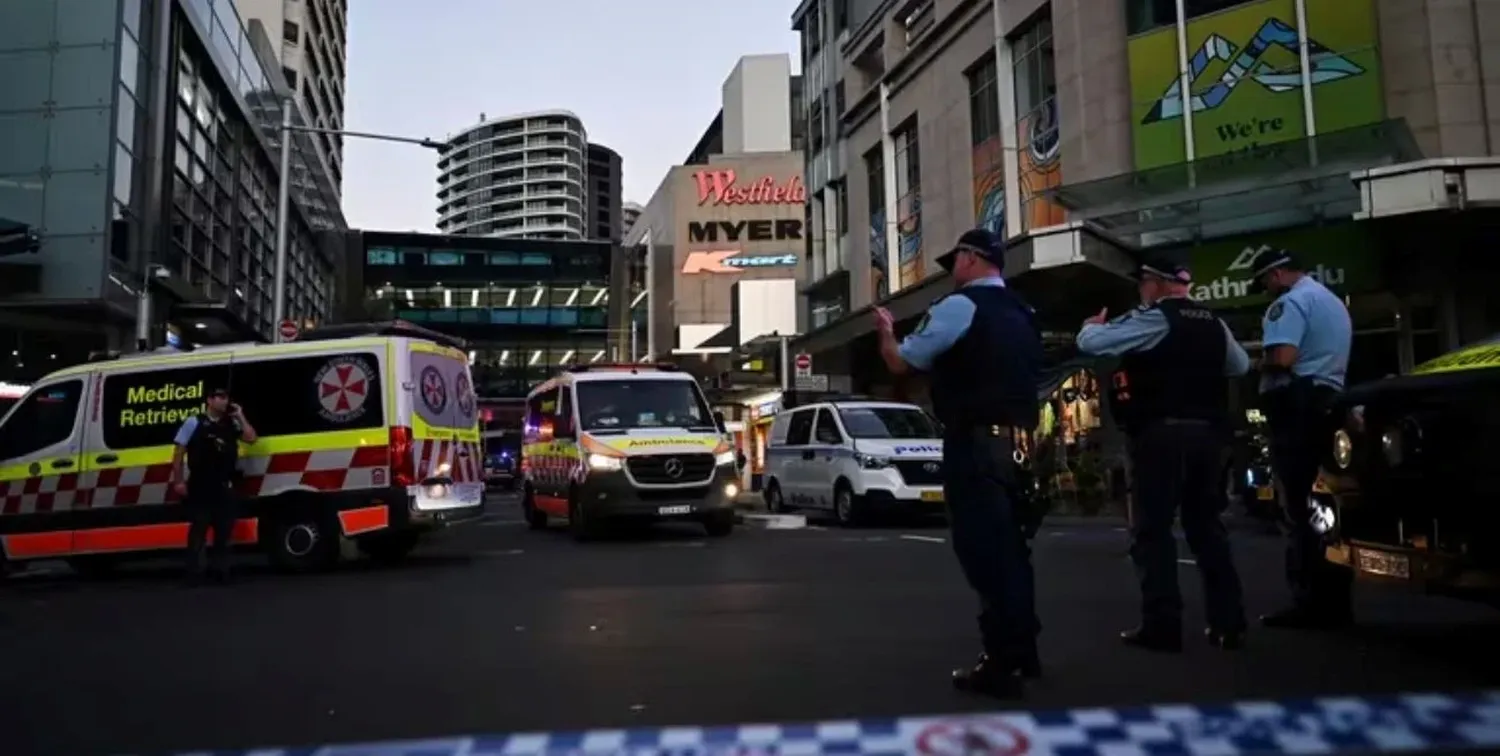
580 524
536 519
298 541
719 524
389 547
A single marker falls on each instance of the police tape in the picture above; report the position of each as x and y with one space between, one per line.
1400 723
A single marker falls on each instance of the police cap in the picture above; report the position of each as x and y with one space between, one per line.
980 241
1167 270
1267 259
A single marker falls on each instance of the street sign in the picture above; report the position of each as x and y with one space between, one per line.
287 329
803 362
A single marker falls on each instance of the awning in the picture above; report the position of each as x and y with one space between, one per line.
1066 272
1424 186
205 324
1273 186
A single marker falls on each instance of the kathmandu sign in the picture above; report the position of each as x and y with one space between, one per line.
1344 258
724 188
733 261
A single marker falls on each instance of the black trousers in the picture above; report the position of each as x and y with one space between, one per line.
1300 435
1179 469
210 506
979 479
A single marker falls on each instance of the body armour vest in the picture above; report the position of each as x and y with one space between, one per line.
1182 377
213 452
991 374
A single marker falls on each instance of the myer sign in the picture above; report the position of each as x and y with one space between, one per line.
1343 258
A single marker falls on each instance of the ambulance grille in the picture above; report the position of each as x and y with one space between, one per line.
659 469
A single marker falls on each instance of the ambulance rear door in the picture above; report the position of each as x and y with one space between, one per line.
40 448
445 427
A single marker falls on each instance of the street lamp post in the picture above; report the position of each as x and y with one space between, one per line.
284 194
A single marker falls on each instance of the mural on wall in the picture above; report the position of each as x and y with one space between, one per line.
1246 81
989 186
1040 167
879 283
909 232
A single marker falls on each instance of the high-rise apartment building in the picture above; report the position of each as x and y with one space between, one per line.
516 176
310 39
605 194
1350 132
147 160
629 212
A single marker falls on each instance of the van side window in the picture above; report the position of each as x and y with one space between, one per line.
44 418
541 409
146 408
329 392
799 432
827 431
563 419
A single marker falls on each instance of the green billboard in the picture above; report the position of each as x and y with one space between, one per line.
1246 82
1343 257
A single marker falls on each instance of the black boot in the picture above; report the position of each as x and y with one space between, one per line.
1151 639
989 678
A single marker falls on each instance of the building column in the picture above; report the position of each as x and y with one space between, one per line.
1005 95
892 202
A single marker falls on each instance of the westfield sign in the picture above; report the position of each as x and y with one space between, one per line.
725 188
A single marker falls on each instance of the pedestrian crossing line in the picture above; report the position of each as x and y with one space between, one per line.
924 539
1401 723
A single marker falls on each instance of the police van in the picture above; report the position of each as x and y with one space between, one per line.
608 442
367 432
852 457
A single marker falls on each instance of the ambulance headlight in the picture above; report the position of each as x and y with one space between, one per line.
872 462
602 463
725 458
1343 449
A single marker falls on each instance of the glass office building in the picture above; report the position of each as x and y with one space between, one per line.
140 144
526 306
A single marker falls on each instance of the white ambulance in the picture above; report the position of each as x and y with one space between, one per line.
367 432
612 442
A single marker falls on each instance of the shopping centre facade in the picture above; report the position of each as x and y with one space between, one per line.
1060 125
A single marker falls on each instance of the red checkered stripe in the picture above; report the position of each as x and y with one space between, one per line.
466 464
323 470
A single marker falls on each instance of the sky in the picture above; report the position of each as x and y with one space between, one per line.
645 77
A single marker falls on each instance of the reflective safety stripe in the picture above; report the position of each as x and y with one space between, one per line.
364 520
1474 358
127 538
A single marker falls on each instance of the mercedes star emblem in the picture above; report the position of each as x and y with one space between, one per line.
932 467
674 468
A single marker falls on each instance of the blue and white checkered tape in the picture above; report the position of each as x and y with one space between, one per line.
1403 723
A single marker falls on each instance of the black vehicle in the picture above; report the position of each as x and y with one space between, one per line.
1410 482
502 460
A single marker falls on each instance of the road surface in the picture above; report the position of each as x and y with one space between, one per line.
499 628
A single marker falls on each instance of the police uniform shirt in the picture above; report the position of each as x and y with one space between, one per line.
1314 320
1143 328
945 323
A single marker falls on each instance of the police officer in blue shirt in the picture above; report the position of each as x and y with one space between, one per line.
983 351
1171 395
1307 336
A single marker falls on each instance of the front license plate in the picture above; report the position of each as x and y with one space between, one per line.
1381 563
1265 493
677 510
932 496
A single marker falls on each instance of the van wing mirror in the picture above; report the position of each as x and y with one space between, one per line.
719 422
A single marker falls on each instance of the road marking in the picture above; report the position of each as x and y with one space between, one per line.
498 553
777 521
1187 561
924 539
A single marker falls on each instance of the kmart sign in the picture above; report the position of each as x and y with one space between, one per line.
1343 258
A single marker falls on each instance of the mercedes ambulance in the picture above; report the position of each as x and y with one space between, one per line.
609 442
366 432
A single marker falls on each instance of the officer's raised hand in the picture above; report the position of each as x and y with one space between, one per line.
1098 319
884 321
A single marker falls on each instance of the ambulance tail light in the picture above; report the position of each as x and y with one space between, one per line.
403 466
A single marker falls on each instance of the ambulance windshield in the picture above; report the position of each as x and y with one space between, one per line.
629 405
